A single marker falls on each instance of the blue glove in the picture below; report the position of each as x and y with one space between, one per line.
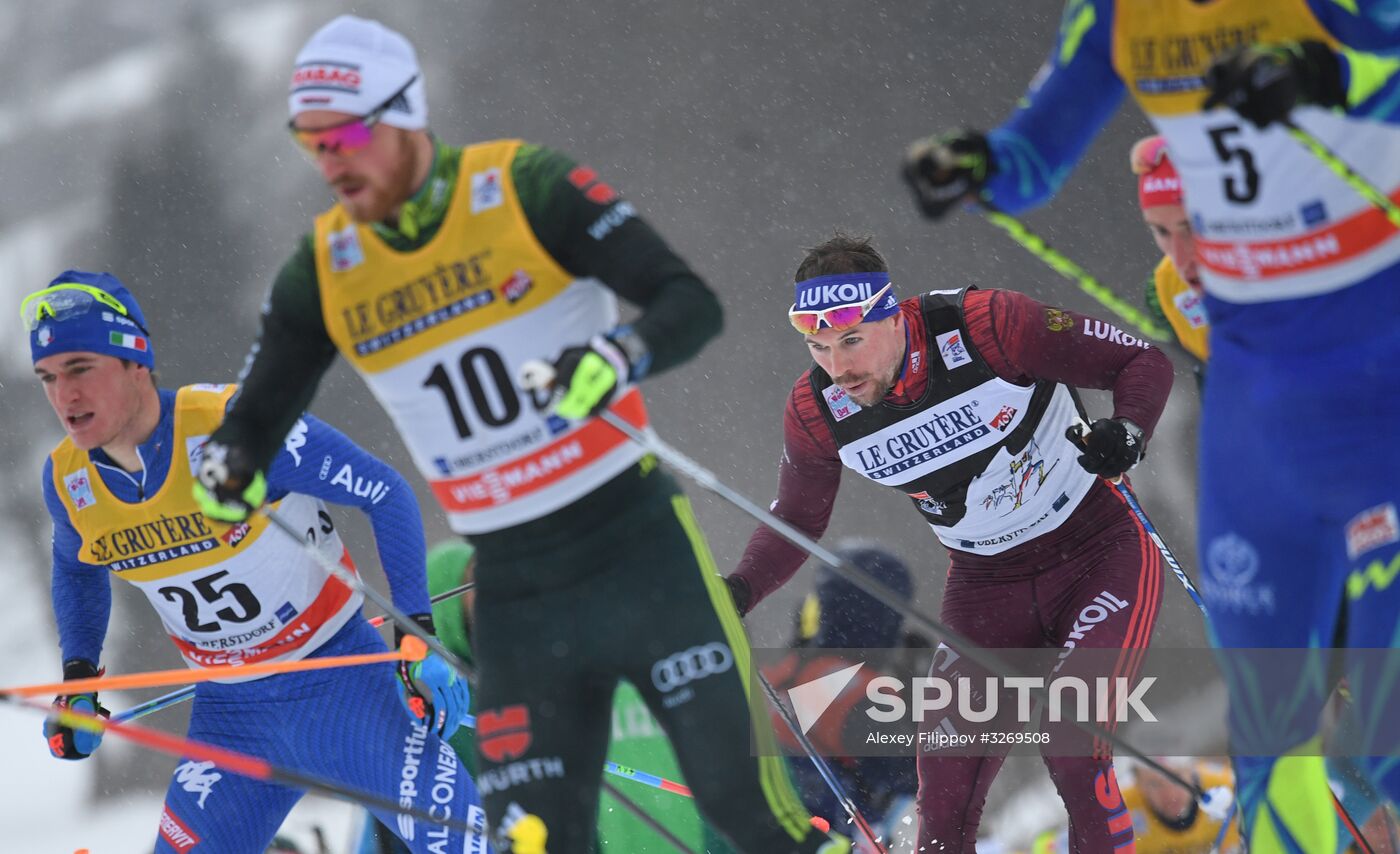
432 691
70 742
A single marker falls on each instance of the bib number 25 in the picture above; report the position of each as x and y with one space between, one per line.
242 609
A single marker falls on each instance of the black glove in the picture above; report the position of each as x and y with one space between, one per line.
1111 446
943 171
1263 83
587 377
227 487
739 592
69 742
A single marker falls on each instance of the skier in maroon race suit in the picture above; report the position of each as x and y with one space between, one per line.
962 400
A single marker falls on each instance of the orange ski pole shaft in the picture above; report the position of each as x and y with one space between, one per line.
411 650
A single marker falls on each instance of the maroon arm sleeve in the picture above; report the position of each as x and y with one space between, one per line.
1024 340
809 475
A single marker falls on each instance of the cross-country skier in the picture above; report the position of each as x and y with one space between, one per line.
637 739
1175 290
119 490
1302 280
438 273
962 399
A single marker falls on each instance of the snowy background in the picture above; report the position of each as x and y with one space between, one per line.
147 137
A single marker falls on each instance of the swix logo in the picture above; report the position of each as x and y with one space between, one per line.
174 832
343 77
235 535
1091 615
810 699
504 734
198 778
1002 419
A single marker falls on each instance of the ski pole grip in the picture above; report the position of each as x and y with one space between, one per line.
536 374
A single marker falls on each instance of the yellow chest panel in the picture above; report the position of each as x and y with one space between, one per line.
165 534
484 267
1162 48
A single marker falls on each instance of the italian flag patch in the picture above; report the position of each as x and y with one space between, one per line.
131 342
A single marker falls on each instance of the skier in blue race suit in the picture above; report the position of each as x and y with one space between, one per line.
120 490
1299 480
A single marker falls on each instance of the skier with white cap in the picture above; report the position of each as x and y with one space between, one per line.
438 273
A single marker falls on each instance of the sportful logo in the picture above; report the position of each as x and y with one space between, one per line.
823 296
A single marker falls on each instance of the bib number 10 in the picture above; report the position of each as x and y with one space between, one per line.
491 394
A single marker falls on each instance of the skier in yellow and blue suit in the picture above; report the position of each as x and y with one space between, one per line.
1299 480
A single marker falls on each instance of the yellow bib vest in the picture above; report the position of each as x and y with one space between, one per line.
440 333
1184 307
1295 229
225 595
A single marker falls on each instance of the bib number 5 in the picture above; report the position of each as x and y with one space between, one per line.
1241 188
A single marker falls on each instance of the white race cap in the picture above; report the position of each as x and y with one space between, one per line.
353 65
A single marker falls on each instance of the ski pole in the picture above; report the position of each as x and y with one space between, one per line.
175 697
537 374
656 827
411 650
1339 167
1076 436
238 763
1036 245
351 580
820 764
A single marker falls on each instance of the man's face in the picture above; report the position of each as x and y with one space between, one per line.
863 361
97 398
1172 231
374 181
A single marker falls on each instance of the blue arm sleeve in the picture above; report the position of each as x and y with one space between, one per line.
1369 31
1068 103
82 592
318 460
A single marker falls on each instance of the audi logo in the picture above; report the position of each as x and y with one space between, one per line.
687 666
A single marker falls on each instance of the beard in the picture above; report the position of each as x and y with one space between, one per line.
875 390
379 197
